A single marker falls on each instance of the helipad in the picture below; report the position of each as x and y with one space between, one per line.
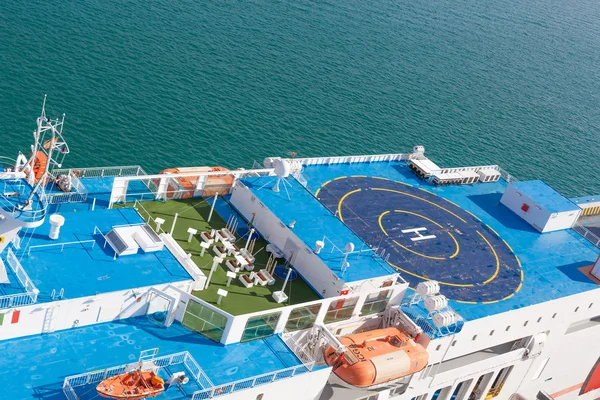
426 237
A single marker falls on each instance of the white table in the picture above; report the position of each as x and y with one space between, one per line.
192 232
242 261
229 247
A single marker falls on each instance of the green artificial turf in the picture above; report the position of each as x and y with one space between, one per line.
193 213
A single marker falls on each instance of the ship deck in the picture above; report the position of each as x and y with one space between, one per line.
193 213
84 266
313 222
488 260
36 366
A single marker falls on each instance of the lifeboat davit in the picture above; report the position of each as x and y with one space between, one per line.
214 184
376 357
135 385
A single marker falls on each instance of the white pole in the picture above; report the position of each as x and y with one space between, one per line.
249 238
287 277
212 207
173 225
216 261
94 204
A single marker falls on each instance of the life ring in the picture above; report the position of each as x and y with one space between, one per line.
76 173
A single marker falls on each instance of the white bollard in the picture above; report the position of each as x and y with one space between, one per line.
56 221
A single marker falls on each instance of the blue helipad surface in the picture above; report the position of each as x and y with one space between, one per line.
314 222
86 267
533 267
35 367
426 237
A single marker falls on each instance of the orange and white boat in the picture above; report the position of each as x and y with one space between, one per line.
214 184
134 385
376 357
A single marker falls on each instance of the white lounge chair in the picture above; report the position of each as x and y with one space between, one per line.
246 281
268 276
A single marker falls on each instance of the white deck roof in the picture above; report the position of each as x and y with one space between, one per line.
427 166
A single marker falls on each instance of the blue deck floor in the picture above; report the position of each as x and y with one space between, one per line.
82 270
99 189
313 222
36 366
550 262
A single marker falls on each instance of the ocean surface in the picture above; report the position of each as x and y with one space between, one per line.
166 83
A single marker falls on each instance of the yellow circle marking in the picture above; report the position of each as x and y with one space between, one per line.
417 253
422 199
339 209
428 219
380 225
452 236
497 259
427 279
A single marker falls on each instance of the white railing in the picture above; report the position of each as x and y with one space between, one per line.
16 209
102 172
467 169
146 216
62 245
297 348
88 378
31 292
249 383
197 372
507 177
77 195
352 159
586 233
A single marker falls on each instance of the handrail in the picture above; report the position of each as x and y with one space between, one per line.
87 378
248 383
60 244
102 172
353 159
31 292
297 349
587 234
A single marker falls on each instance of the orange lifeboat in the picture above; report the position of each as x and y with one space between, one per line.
135 385
376 357
39 165
214 184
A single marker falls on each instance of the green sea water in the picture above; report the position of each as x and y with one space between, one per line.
166 83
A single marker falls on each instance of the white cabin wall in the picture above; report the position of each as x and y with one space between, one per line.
88 310
533 216
9 227
570 357
563 220
312 268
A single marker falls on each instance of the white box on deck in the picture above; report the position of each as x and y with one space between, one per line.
426 166
488 175
540 206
